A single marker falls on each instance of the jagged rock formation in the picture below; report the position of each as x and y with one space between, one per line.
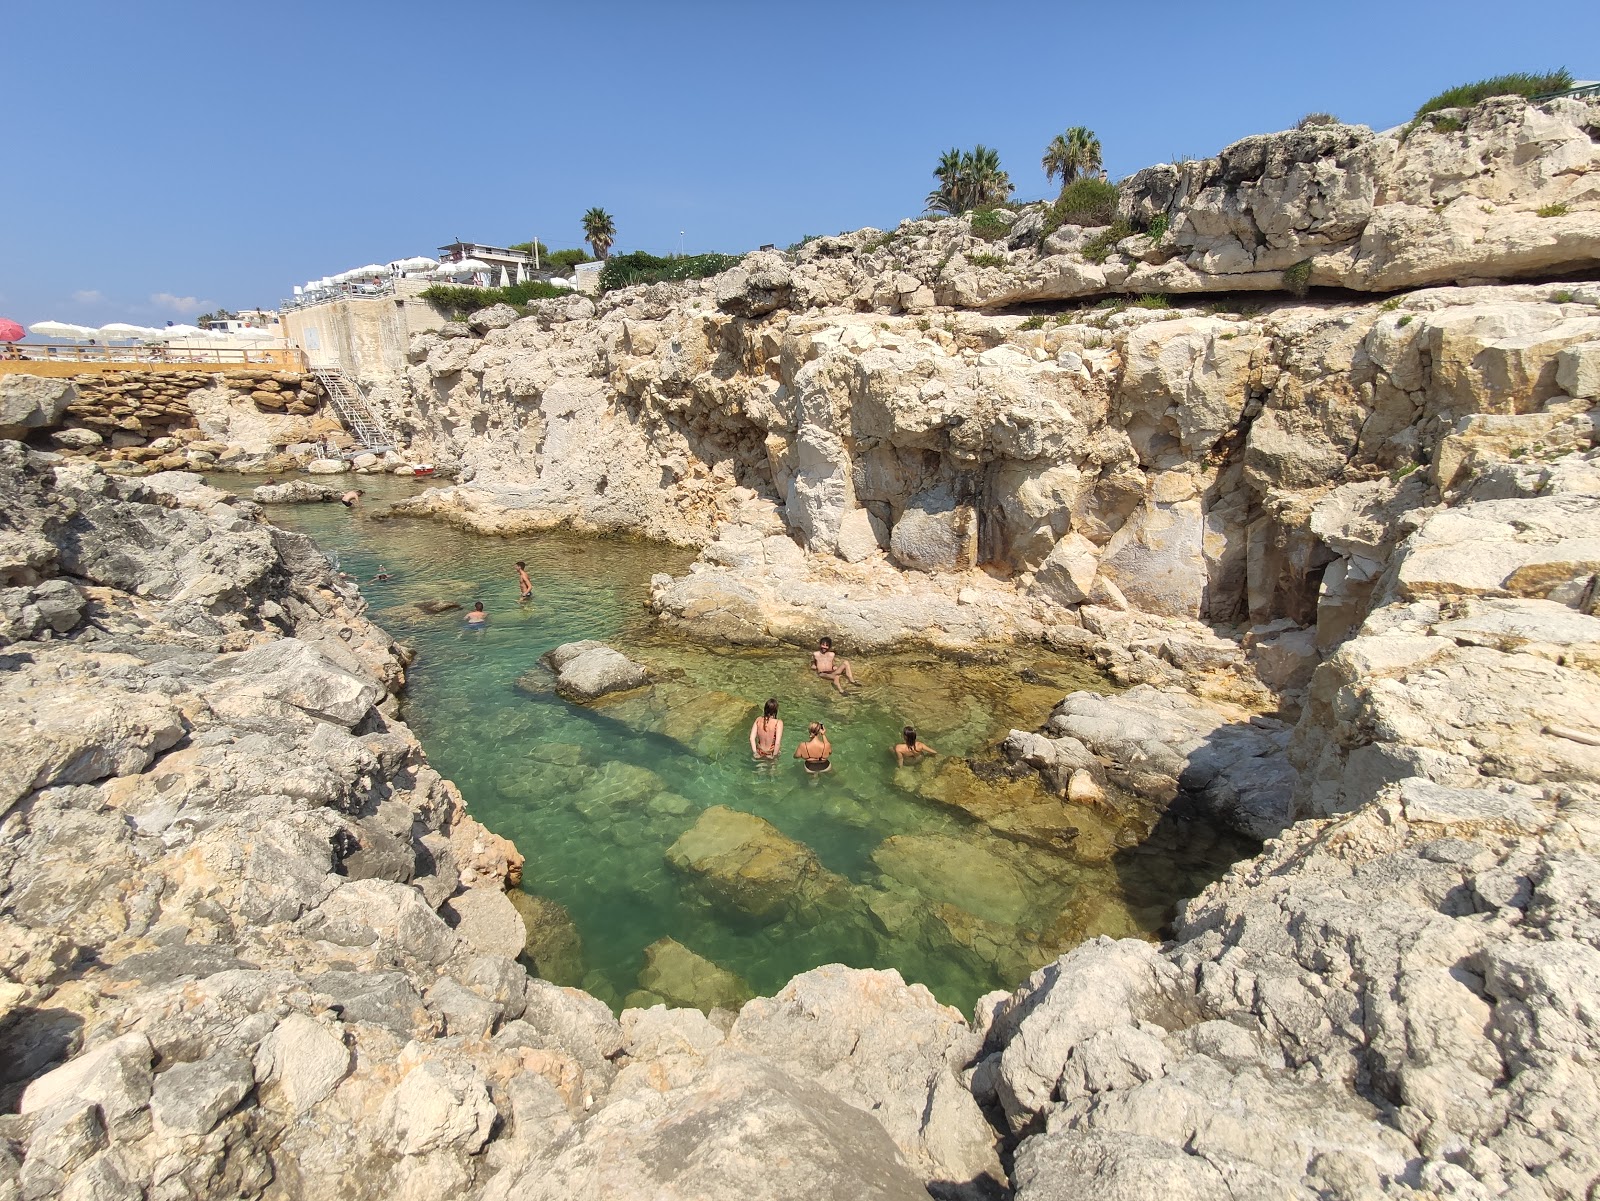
225 978
252 945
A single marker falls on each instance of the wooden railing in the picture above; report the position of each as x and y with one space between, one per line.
288 358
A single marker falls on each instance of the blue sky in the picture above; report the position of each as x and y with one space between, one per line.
169 157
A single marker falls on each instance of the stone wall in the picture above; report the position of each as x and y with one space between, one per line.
364 338
164 418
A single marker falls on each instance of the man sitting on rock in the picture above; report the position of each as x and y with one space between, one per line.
829 668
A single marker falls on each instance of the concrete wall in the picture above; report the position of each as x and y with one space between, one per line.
365 338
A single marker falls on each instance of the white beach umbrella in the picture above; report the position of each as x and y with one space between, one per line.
369 271
121 329
522 273
505 278
172 332
414 263
63 330
473 265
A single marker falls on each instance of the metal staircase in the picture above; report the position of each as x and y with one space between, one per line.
357 416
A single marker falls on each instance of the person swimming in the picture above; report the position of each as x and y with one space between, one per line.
383 574
523 582
911 748
815 752
476 617
766 734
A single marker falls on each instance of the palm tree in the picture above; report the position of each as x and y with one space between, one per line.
968 179
946 198
599 231
1072 155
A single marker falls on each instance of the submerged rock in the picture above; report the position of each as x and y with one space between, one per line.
682 978
552 944
745 863
703 721
586 671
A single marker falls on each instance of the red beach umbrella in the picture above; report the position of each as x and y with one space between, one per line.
10 331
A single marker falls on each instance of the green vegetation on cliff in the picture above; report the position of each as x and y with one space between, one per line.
1518 83
640 268
455 299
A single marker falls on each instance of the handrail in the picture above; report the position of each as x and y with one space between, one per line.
346 291
255 356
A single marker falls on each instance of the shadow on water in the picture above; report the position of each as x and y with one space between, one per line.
962 883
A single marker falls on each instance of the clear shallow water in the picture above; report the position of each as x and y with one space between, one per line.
594 798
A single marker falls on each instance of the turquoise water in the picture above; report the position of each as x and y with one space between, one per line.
595 797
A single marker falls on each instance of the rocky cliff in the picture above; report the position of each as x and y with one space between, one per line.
1344 548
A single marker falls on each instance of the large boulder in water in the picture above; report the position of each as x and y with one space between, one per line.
684 979
748 864
552 942
586 671
293 492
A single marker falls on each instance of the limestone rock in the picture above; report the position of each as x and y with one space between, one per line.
552 942
303 1059
488 921
1160 743
190 1098
744 862
30 402
439 1104
115 1076
740 1131
888 1049
294 492
586 671
327 466
680 977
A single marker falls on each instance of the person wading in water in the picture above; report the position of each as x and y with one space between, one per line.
766 735
815 751
911 748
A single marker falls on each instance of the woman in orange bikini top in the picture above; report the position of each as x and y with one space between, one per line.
767 733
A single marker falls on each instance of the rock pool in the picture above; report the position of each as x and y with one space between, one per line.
637 815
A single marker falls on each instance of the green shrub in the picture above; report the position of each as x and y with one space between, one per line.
626 270
1037 321
1553 210
1083 202
1098 248
1520 83
565 260
1447 124
1389 305
874 244
1153 300
458 300
988 224
1297 279
1310 119
1403 322
1562 297
988 260
1159 225
808 238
